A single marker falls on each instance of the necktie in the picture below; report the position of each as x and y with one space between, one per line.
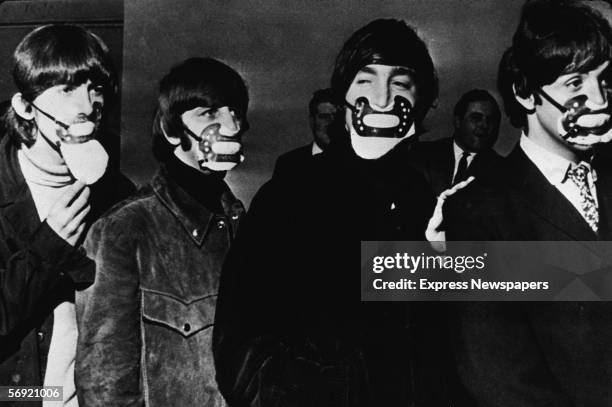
461 168
579 176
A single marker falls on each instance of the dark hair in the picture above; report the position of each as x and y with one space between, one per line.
321 96
190 84
388 42
58 55
476 95
553 38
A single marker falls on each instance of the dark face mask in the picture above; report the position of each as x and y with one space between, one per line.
578 112
219 152
369 122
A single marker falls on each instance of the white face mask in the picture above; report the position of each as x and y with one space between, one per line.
84 156
374 133
86 161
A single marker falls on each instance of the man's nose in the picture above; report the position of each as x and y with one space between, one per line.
229 119
597 93
382 96
84 101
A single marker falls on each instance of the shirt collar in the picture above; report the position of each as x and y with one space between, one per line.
552 166
316 149
458 151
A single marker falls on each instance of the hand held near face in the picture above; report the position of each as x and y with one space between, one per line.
68 213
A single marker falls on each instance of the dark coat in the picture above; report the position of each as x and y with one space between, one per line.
531 354
39 270
436 159
145 326
293 162
290 327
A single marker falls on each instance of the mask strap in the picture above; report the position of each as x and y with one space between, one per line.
552 101
56 121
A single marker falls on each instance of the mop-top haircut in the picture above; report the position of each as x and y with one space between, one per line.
553 38
196 82
58 55
387 42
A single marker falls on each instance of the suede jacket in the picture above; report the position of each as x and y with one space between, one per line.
38 270
145 326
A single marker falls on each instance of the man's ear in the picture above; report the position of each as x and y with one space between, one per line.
22 107
172 140
528 103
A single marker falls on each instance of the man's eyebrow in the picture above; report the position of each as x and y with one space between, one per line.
367 69
401 70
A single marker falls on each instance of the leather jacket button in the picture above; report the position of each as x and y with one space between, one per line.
195 233
221 224
186 327
40 335
15 378
235 217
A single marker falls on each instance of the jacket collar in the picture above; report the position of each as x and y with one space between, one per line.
194 217
15 197
545 200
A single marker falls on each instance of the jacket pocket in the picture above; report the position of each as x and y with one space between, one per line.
187 318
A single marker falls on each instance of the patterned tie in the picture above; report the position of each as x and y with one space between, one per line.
579 176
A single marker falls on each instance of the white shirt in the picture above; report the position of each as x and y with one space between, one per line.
458 153
554 168
316 149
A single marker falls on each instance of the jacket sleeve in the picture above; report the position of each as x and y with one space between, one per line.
108 314
261 356
30 270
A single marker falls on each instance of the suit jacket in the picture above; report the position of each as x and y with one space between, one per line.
293 162
436 160
531 354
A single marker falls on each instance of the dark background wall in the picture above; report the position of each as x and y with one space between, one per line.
285 50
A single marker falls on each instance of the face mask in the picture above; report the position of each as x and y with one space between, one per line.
581 117
219 152
83 154
374 133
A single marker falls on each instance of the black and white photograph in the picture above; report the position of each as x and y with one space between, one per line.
196 196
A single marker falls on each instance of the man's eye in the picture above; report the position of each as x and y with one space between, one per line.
99 89
361 81
402 84
574 83
209 113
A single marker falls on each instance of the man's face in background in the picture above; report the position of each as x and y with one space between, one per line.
321 122
478 128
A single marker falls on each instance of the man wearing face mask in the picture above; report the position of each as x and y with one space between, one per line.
290 327
53 183
554 80
146 324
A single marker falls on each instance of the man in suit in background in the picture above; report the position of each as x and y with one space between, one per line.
323 111
469 152
554 83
